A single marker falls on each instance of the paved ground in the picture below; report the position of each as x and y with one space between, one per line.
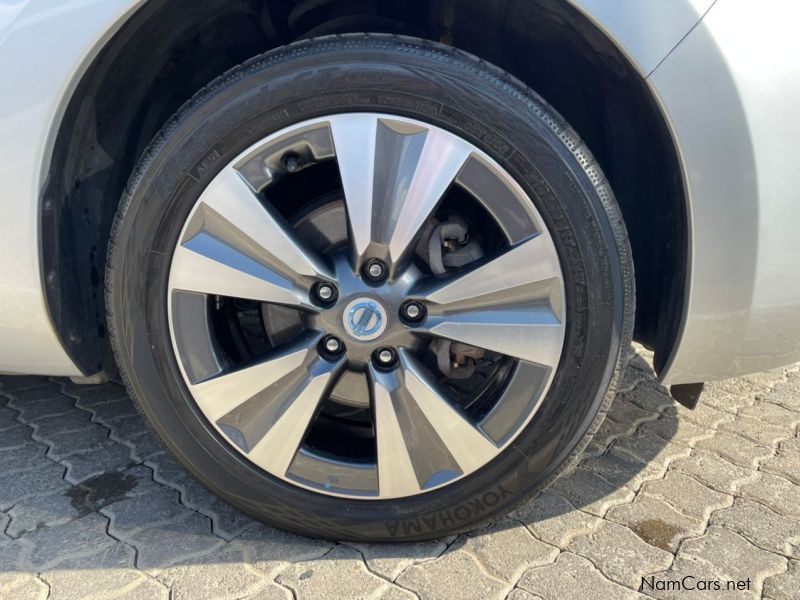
90 506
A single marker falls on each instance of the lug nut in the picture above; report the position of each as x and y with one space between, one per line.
375 270
385 356
325 292
413 311
332 345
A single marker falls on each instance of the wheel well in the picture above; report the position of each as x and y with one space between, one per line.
170 49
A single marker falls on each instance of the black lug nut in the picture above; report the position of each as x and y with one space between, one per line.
325 293
412 311
375 270
385 357
332 345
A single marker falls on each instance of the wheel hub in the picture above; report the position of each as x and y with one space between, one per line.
365 319
366 315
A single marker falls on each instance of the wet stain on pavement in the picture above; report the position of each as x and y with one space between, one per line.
97 492
657 533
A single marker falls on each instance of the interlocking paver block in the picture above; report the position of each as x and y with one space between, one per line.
786 462
652 449
22 585
552 519
724 401
455 573
108 413
23 456
397 593
628 413
271 550
761 526
52 546
784 586
146 510
15 437
88 394
688 495
41 511
651 396
144 446
184 539
678 431
518 594
609 431
340 574
778 493
16 383
590 492
736 449
223 574
227 521
31 411
713 471
104 584
507 549
722 555
572 577
757 430
42 479
389 560
632 377
77 420
775 414
271 592
702 414
8 417
128 428
617 468
656 522
620 554
108 458
61 445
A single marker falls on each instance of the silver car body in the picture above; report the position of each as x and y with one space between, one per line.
725 73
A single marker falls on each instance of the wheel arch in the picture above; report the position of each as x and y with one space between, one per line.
157 60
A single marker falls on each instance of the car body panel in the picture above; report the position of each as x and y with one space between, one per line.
45 46
646 31
740 188
734 109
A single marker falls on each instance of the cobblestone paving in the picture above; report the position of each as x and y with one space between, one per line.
92 507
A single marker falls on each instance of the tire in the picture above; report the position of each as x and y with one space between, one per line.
412 79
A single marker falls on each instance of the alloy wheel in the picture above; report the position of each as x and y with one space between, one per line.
378 338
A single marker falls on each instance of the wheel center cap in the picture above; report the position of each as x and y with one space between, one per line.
365 319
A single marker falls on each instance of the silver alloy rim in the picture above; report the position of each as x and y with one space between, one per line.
394 173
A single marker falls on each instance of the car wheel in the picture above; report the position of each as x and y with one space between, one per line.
370 288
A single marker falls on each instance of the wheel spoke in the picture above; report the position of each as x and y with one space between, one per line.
235 246
522 275
503 305
533 334
394 174
396 474
470 448
270 426
222 394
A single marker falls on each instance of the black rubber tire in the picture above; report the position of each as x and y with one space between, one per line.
421 80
